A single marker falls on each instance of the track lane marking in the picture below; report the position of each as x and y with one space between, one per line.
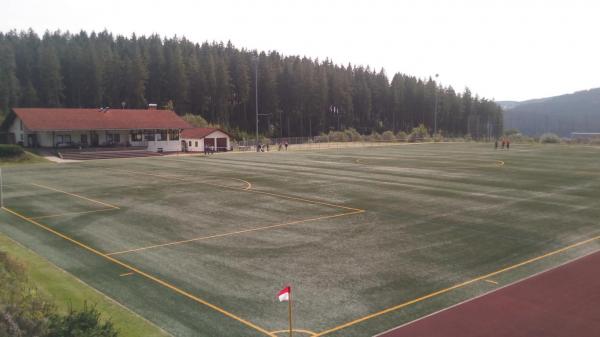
456 286
491 281
140 272
127 274
255 229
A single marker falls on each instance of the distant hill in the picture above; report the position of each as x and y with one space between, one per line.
505 105
576 112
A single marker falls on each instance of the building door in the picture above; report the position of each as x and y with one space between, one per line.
84 140
93 139
222 144
209 143
184 147
32 140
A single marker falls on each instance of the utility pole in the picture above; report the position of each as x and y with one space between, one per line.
256 97
436 106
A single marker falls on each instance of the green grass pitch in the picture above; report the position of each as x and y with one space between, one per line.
368 238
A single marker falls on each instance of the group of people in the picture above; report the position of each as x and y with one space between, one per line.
209 149
505 143
265 147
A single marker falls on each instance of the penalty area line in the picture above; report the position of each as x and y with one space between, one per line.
255 229
75 195
142 273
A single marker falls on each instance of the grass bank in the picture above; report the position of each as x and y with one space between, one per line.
25 158
66 290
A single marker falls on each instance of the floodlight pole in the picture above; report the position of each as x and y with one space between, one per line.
256 96
436 106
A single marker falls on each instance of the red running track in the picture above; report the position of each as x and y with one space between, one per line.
562 302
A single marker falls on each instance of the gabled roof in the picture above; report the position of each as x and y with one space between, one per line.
198 133
57 119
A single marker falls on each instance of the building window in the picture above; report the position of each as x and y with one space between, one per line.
137 137
149 136
173 134
113 138
190 143
21 124
63 139
162 135
196 143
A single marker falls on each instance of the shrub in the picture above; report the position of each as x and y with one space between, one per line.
419 133
388 136
195 120
402 136
337 136
549 138
84 323
23 312
375 136
9 151
511 132
353 135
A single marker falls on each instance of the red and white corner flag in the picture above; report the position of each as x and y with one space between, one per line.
284 295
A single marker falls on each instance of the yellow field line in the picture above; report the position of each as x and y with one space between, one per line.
248 184
71 213
491 281
233 233
308 332
75 195
316 202
146 275
460 285
127 274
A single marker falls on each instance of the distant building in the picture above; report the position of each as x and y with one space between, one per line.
156 130
585 135
199 139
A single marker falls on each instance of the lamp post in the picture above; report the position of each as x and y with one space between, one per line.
336 112
256 96
436 106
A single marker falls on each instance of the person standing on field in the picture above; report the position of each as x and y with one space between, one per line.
496 145
507 145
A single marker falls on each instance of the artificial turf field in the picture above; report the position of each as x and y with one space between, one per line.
368 238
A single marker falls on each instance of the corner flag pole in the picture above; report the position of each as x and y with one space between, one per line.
290 311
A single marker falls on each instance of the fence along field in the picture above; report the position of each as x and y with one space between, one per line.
368 237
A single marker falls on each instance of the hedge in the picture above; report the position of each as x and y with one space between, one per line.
7 151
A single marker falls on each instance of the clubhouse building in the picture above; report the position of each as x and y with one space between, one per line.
153 129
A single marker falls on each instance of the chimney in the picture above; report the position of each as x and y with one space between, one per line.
152 106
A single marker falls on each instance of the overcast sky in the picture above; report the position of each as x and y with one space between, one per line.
501 49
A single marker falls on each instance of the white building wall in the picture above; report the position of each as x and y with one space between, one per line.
197 145
44 139
164 146
200 141
18 129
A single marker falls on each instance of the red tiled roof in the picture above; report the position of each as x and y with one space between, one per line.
48 119
198 133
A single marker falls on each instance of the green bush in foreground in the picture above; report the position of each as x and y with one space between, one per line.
549 138
26 313
9 151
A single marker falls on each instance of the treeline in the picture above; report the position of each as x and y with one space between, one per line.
298 96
